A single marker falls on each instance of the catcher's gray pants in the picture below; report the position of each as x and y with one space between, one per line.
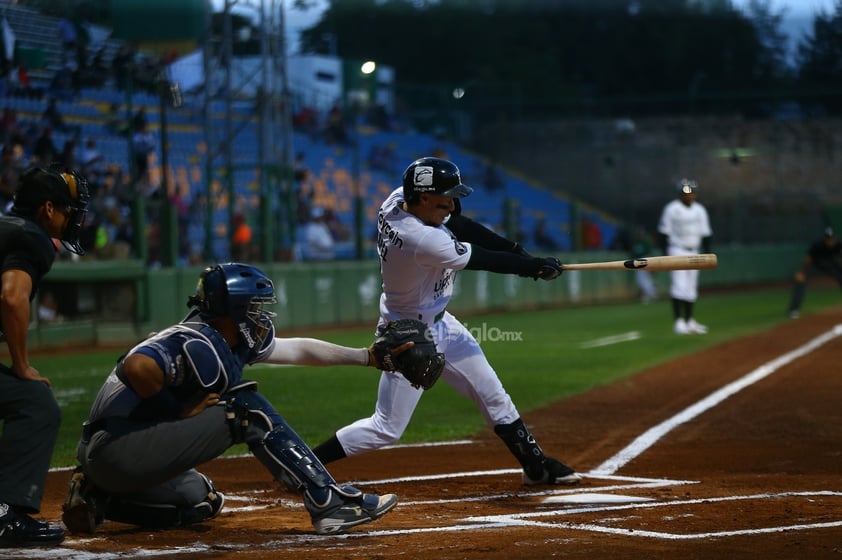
153 462
31 418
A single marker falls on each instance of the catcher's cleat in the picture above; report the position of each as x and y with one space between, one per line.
19 530
550 471
347 507
80 512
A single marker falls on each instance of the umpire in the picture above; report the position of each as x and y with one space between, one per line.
824 256
48 204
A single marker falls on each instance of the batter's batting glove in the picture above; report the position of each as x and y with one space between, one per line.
545 268
550 270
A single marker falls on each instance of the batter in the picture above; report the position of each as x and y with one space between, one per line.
423 241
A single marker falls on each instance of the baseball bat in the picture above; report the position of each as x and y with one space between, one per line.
678 262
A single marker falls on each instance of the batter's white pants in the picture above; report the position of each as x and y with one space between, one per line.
466 369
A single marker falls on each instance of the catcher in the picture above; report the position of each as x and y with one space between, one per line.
423 241
182 390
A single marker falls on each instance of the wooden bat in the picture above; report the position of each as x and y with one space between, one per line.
683 262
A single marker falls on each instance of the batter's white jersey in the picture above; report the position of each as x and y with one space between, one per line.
685 227
419 264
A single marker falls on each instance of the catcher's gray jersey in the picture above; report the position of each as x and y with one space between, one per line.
418 262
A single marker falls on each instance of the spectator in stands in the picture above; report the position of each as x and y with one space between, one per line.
92 159
306 121
300 170
542 238
491 178
143 146
9 128
52 117
240 239
67 32
304 203
22 85
63 85
318 244
140 120
5 70
67 157
44 151
378 117
48 308
338 230
383 157
98 70
114 121
121 65
335 132
9 173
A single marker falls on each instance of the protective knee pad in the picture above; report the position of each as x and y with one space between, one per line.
162 516
275 443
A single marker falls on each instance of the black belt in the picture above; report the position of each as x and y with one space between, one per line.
90 428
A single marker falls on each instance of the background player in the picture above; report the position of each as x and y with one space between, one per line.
47 204
824 256
423 240
177 399
685 230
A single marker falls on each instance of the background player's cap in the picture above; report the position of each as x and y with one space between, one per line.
828 232
687 186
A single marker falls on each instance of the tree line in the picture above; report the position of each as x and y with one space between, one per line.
593 57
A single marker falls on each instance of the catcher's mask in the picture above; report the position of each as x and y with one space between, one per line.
68 191
238 291
433 175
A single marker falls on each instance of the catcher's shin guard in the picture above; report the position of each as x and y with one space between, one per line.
276 445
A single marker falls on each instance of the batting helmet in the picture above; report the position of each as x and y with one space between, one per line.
67 191
433 175
238 291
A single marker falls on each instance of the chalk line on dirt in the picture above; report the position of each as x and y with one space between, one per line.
652 435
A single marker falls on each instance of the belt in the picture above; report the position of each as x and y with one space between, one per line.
90 428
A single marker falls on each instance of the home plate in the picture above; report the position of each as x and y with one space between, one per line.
594 498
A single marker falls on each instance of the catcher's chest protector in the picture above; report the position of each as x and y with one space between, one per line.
232 366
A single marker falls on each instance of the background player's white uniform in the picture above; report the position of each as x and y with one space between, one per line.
419 265
685 226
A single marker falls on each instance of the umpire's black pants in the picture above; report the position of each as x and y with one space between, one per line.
31 418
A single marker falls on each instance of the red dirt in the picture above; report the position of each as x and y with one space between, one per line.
767 458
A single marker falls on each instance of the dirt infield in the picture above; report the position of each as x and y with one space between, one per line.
731 453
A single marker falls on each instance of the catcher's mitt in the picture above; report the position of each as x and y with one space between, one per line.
421 364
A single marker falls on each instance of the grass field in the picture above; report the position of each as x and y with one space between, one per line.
541 357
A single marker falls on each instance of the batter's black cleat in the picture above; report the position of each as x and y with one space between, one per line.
550 471
80 511
19 530
347 507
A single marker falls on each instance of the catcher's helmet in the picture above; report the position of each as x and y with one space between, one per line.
238 291
433 175
687 186
67 191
